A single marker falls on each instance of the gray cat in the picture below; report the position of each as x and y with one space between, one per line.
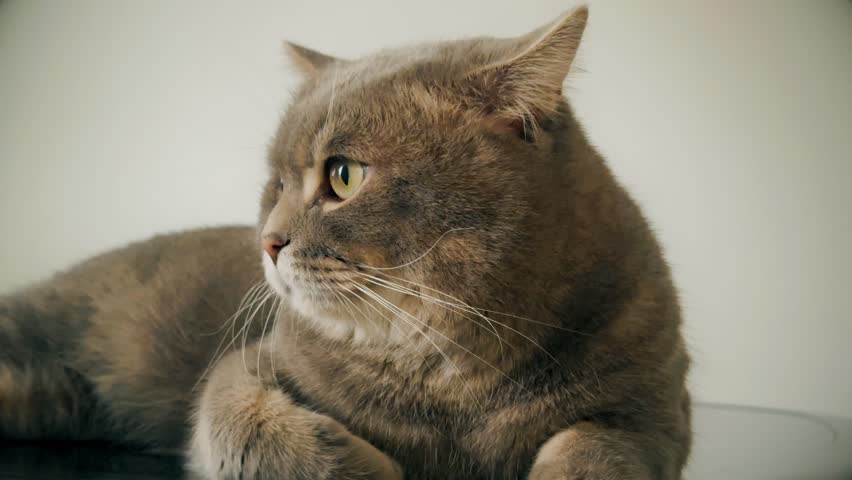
446 283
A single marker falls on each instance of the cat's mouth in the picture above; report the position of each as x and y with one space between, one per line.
313 287
334 294
318 279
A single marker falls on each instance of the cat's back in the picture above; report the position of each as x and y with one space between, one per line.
141 322
213 260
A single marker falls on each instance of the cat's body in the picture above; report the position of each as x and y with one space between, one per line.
132 329
488 303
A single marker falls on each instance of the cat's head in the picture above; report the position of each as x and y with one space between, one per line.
436 171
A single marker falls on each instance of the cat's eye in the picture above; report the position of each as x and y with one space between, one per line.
345 176
279 185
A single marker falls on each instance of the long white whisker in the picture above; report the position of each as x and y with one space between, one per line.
258 301
363 265
347 302
393 308
272 308
393 325
463 348
437 301
247 325
252 294
255 296
228 321
258 295
275 340
343 300
496 312
477 312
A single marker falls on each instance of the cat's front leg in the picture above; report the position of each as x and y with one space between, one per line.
245 428
588 451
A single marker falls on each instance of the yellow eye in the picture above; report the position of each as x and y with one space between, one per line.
345 176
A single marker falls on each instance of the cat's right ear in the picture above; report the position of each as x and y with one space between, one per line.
308 62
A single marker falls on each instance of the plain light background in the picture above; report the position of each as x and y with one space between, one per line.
730 122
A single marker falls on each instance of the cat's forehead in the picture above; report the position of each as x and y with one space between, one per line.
392 99
368 103
435 62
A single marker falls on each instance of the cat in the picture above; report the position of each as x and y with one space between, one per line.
446 282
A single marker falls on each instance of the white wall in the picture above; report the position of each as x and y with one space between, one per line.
731 122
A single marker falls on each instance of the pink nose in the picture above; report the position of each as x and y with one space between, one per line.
273 244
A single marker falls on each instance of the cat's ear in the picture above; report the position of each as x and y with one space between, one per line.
527 87
308 62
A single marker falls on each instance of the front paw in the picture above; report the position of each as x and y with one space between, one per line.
268 437
589 452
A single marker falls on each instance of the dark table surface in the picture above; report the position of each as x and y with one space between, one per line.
731 443
84 462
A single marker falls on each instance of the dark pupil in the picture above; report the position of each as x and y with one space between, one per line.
344 174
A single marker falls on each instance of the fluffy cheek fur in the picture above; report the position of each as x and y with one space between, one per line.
279 278
332 316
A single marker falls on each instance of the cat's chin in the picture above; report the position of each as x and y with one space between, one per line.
333 321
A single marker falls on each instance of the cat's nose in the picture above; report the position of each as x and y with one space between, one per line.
273 244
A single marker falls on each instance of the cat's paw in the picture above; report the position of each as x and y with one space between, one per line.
271 438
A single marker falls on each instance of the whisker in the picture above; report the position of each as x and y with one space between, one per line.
441 303
346 303
470 309
342 299
272 308
256 297
229 321
275 340
496 312
393 325
259 299
486 362
396 310
364 265
249 320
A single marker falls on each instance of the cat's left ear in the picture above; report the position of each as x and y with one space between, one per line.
527 87
309 62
